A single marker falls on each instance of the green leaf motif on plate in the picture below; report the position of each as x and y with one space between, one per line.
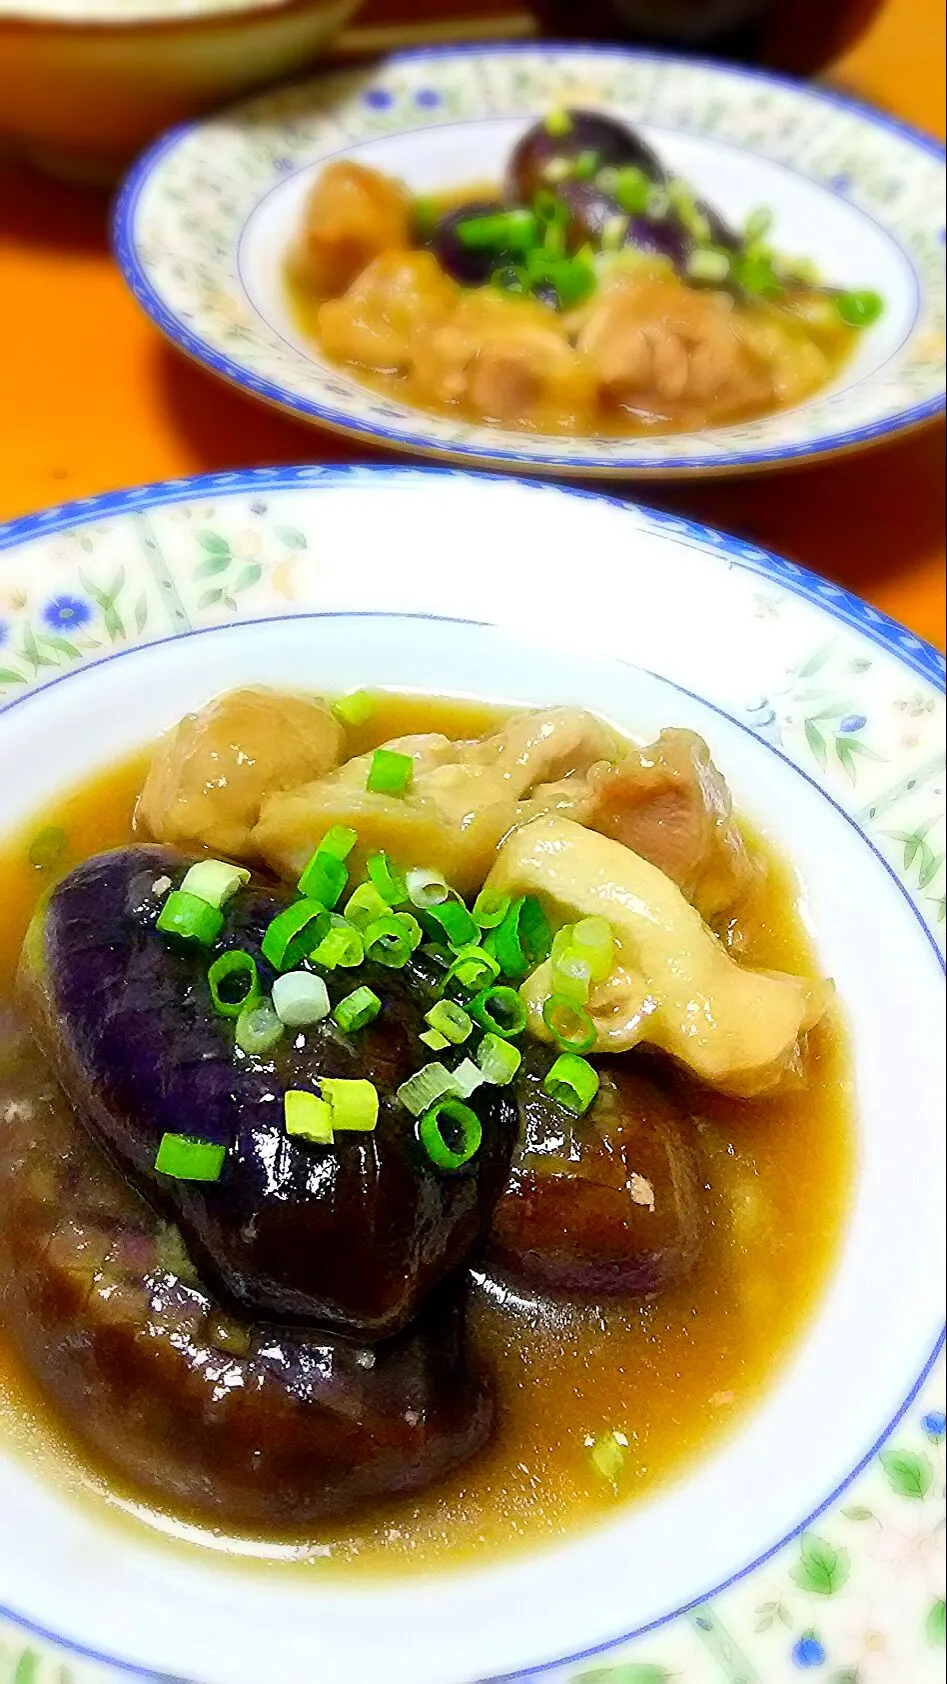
8 676
817 743
908 1474
857 1513
632 1672
821 1568
26 1670
291 537
935 1626
211 565
213 543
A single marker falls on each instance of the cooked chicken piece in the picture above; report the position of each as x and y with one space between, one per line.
397 296
351 214
669 804
510 360
657 343
794 343
673 985
462 799
210 775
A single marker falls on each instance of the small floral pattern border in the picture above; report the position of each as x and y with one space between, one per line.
181 217
859 707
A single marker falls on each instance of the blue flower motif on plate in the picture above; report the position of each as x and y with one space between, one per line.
66 613
808 1652
428 97
935 1424
853 722
379 99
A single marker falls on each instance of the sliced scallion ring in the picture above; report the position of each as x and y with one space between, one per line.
214 881
357 1010
450 1133
572 1082
189 918
392 940
307 1117
355 708
258 1030
186 1158
450 1020
300 999
569 1024
422 1089
390 773
353 1102
490 908
234 982
467 1077
501 1011
365 905
291 936
498 1060
387 880
426 888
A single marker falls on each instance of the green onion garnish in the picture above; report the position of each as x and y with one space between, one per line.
47 848
512 278
593 941
338 841
427 1085
357 1010
324 878
365 905
425 217
571 966
658 205
189 1159
392 940
498 1060
574 281
547 208
558 122
474 968
523 939
632 190
572 1082
501 1011
451 1020
450 1133
586 164
614 231
354 1103
234 982
258 1029
426 888
757 225
387 879
434 1040
389 773
608 180
609 1454
569 1024
859 309
299 999
557 170
190 919
467 1078
708 264
554 245
355 708
756 275
451 922
682 199
490 909
513 230
306 1117
293 933
214 881
342 945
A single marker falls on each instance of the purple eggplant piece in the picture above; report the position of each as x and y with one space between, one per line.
468 265
353 1237
615 145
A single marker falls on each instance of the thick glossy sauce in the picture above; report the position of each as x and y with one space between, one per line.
673 1376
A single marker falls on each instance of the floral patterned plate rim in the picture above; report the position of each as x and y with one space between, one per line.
204 217
816 686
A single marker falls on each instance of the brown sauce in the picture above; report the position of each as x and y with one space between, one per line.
673 1376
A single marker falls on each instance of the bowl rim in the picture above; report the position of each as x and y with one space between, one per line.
32 21
914 653
409 436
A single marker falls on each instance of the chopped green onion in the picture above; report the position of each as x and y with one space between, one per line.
548 208
859 309
614 231
608 180
451 922
258 1029
593 941
451 1020
682 200
467 1078
609 1454
355 708
708 264
357 1010
633 190
339 840
324 878
490 909
299 998
188 1159
306 1117
450 1133
586 164
426 217
658 205
802 269
522 941
511 278
569 1024
433 1039
498 1060
392 940
342 945
554 246
427 1085
426 888
501 1011
756 275
293 933
558 122
757 225
572 976
572 1082
472 969
574 282
214 881
387 879
189 918
389 773
234 982
557 170
47 848
354 1103
365 905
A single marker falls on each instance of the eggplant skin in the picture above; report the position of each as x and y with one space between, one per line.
604 1205
352 1237
240 1424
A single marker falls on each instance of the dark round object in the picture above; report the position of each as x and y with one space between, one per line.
470 266
615 145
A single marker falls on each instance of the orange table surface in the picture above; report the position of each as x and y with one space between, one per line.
91 398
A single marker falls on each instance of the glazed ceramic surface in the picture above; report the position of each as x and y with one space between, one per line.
811 1539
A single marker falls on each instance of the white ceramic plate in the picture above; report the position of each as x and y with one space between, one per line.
207 215
119 613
